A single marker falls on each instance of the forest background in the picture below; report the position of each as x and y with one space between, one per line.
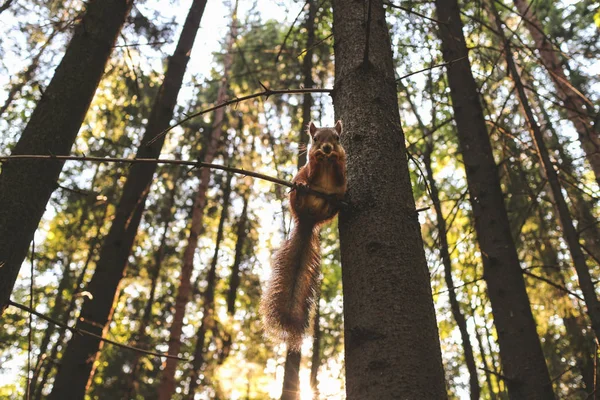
201 254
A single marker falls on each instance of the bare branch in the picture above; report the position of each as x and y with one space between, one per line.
408 10
266 93
431 67
84 332
195 164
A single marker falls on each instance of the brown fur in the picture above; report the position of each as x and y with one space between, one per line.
290 297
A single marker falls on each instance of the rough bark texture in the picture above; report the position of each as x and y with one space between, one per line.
81 352
208 298
291 379
589 136
522 357
26 185
391 338
560 204
167 384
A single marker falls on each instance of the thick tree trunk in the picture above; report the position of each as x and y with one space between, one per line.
81 352
167 384
208 298
589 136
291 378
522 357
560 205
26 185
391 338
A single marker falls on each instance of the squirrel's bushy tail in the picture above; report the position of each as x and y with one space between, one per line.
287 302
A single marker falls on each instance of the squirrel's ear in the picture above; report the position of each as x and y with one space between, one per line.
312 129
338 126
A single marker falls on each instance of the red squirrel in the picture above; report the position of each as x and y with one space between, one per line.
288 301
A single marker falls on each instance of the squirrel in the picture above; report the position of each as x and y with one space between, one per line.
291 294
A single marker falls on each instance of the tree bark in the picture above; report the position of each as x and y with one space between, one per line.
391 338
560 205
167 384
81 352
522 357
208 297
26 185
573 101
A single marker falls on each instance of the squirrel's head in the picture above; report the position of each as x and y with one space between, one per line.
325 142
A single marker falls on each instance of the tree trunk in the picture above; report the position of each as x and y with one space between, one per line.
391 338
234 279
81 352
140 338
51 361
487 370
569 233
291 378
291 385
573 101
167 384
315 360
26 185
522 357
208 297
445 254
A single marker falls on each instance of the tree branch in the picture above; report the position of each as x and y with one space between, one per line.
266 93
84 332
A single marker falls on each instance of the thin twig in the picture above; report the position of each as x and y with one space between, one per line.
287 35
266 93
408 10
431 67
555 285
87 333
195 164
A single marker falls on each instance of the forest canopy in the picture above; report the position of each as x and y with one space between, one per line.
148 151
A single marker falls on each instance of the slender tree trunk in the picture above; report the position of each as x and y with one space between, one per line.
141 339
487 370
26 185
391 338
81 352
51 361
569 233
208 298
521 352
291 380
445 254
234 279
167 384
573 101
58 310
316 351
